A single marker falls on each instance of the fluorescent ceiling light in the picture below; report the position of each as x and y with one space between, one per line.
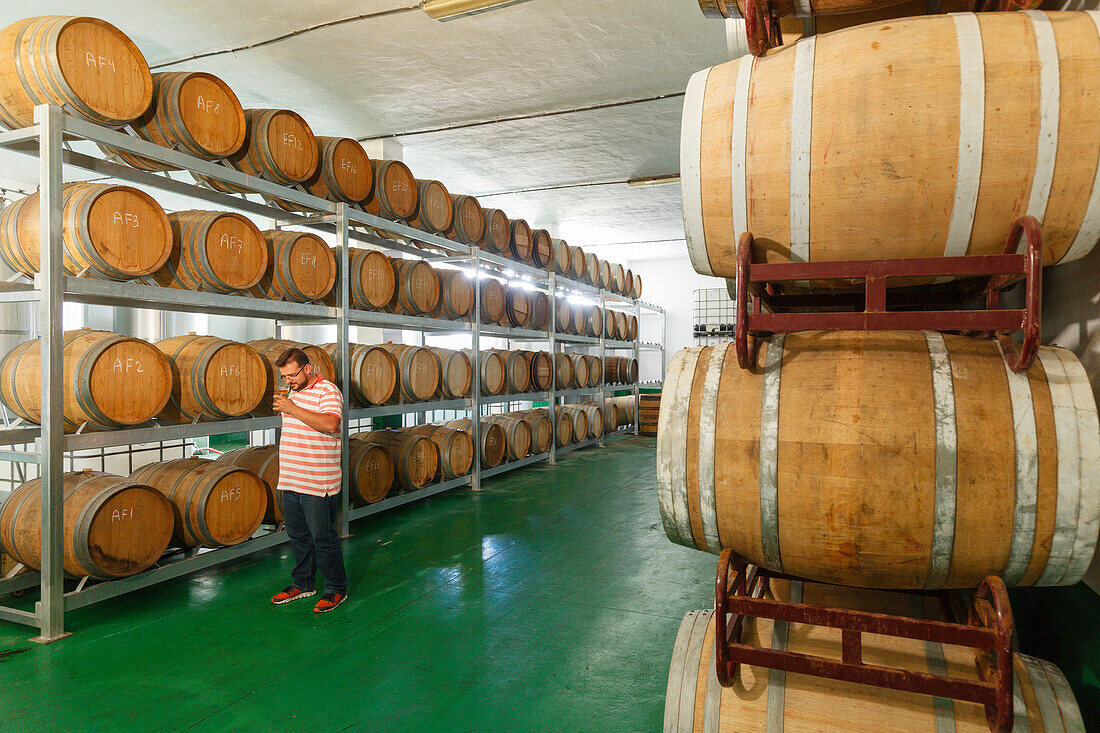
654 180
451 9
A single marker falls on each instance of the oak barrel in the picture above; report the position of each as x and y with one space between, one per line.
610 325
193 112
468 223
577 262
628 283
417 289
492 376
517 435
519 243
801 175
215 251
517 371
563 316
493 300
695 701
618 279
374 373
214 504
111 232
542 370
212 378
542 430
637 293
591 269
595 370
622 327
418 371
594 413
649 413
492 440
540 311
83 64
604 275
372 472
561 258
945 466
263 461
542 248
563 431
434 208
580 370
563 371
112 527
455 374
394 193
415 458
300 267
580 422
456 299
344 173
517 307
456 449
109 381
611 416
497 232
280 147
272 349
371 278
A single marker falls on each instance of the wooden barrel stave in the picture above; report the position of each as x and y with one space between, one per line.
415 458
300 268
520 241
394 193
456 449
542 430
262 461
418 369
212 378
456 300
435 209
493 441
417 290
280 147
455 375
371 470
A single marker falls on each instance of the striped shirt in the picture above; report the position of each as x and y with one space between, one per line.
309 461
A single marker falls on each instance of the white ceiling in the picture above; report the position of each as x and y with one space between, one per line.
403 72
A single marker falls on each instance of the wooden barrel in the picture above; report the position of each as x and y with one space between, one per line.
468 223
193 112
374 374
262 461
415 458
563 316
610 325
108 232
455 374
517 435
272 349
542 248
520 242
628 370
604 275
418 371
492 440
372 472
300 267
517 307
563 430
214 504
595 370
540 311
622 327
637 293
696 702
83 64
628 283
591 269
611 416
618 279
594 324
280 147
562 257
345 172
649 413
580 422
611 369
212 378
492 372
456 449
109 381
924 443
371 278
517 372
113 527
215 251
542 370
587 319
456 300
576 263
417 289
394 193
434 208
492 300
542 430
594 413
965 208
563 371
497 232
627 411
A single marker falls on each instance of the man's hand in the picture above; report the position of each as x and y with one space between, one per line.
284 405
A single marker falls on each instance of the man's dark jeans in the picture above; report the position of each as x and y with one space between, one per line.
310 521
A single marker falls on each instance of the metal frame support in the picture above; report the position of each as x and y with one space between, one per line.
552 333
51 608
475 356
638 361
344 365
603 356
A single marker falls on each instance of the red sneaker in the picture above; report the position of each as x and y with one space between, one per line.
291 593
329 601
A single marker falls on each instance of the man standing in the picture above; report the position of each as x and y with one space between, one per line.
309 480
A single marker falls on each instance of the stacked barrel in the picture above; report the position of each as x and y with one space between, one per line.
901 460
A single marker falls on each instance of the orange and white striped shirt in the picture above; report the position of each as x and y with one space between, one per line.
309 461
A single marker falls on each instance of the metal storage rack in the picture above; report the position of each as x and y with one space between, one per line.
49 140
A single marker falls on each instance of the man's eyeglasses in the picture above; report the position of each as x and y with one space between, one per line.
287 378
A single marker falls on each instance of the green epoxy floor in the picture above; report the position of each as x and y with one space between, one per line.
549 601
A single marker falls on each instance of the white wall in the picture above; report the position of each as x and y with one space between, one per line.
671 284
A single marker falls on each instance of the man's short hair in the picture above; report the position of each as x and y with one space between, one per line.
295 355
